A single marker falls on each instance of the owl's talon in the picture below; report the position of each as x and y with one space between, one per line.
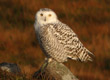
49 60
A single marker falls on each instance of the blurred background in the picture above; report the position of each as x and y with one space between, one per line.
90 20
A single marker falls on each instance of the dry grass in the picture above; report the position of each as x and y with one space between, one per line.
90 19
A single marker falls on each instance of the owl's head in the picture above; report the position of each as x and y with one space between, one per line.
45 16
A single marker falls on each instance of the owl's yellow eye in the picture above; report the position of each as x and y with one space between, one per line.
41 14
49 15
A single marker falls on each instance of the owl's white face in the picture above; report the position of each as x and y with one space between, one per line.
45 16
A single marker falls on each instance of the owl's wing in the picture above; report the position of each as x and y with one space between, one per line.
60 42
70 42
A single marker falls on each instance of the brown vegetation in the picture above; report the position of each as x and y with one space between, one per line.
90 19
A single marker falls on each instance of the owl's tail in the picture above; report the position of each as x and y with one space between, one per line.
85 56
82 55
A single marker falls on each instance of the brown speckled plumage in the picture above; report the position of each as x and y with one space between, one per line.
59 42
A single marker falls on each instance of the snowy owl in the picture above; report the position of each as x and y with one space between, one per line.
57 40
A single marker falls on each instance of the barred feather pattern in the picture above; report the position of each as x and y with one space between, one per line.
59 42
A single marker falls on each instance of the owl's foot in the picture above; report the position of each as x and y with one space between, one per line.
47 60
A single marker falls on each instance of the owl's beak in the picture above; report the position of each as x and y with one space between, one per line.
45 19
